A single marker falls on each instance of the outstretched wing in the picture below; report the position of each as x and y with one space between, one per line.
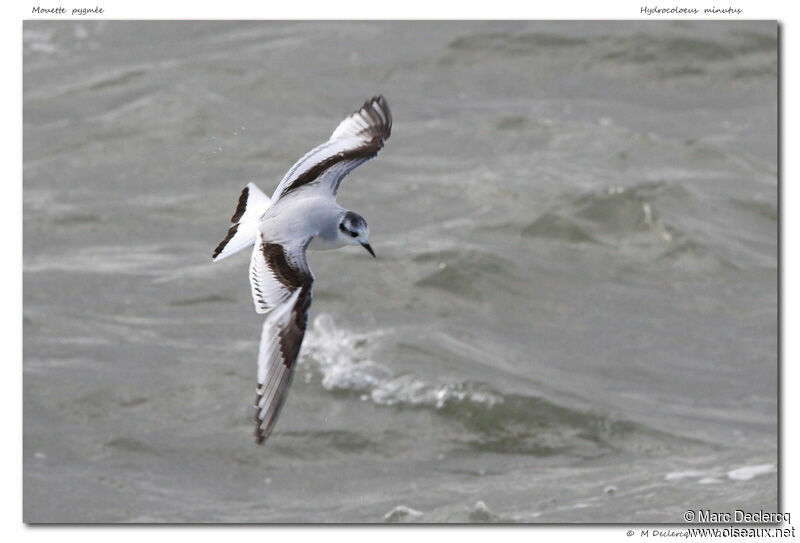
281 283
356 140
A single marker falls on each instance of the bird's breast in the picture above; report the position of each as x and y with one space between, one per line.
300 216
321 242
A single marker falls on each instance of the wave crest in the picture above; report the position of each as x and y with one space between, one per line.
487 420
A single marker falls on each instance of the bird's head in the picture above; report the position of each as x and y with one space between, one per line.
353 230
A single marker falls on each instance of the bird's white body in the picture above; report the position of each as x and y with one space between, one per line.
302 214
314 216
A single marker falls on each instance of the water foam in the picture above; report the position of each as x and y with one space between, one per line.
480 512
494 422
343 359
402 513
745 473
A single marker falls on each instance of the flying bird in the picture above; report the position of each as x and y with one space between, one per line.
302 214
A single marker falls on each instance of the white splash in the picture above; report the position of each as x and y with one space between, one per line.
481 513
401 513
745 473
343 359
678 475
339 355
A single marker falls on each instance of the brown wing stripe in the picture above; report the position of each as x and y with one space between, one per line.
379 129
241 206
283 271
291 337
231 232
368 150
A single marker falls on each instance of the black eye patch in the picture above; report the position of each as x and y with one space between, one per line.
346 230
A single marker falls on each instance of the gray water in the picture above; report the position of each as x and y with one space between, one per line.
573 316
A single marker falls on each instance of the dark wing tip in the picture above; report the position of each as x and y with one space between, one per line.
260 433
378 110
379 119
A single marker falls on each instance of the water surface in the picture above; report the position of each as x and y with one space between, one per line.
573 316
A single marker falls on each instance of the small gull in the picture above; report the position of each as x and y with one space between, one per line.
302 214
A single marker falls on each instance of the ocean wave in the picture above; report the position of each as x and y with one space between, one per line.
514 43
490 421
470 272
402 513
609 216
639 220
342 359
652 48
738 54
144 260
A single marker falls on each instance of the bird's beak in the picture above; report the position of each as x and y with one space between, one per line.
369 249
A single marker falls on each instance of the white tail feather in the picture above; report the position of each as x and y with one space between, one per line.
253 203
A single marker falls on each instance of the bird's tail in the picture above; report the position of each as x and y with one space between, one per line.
242 233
